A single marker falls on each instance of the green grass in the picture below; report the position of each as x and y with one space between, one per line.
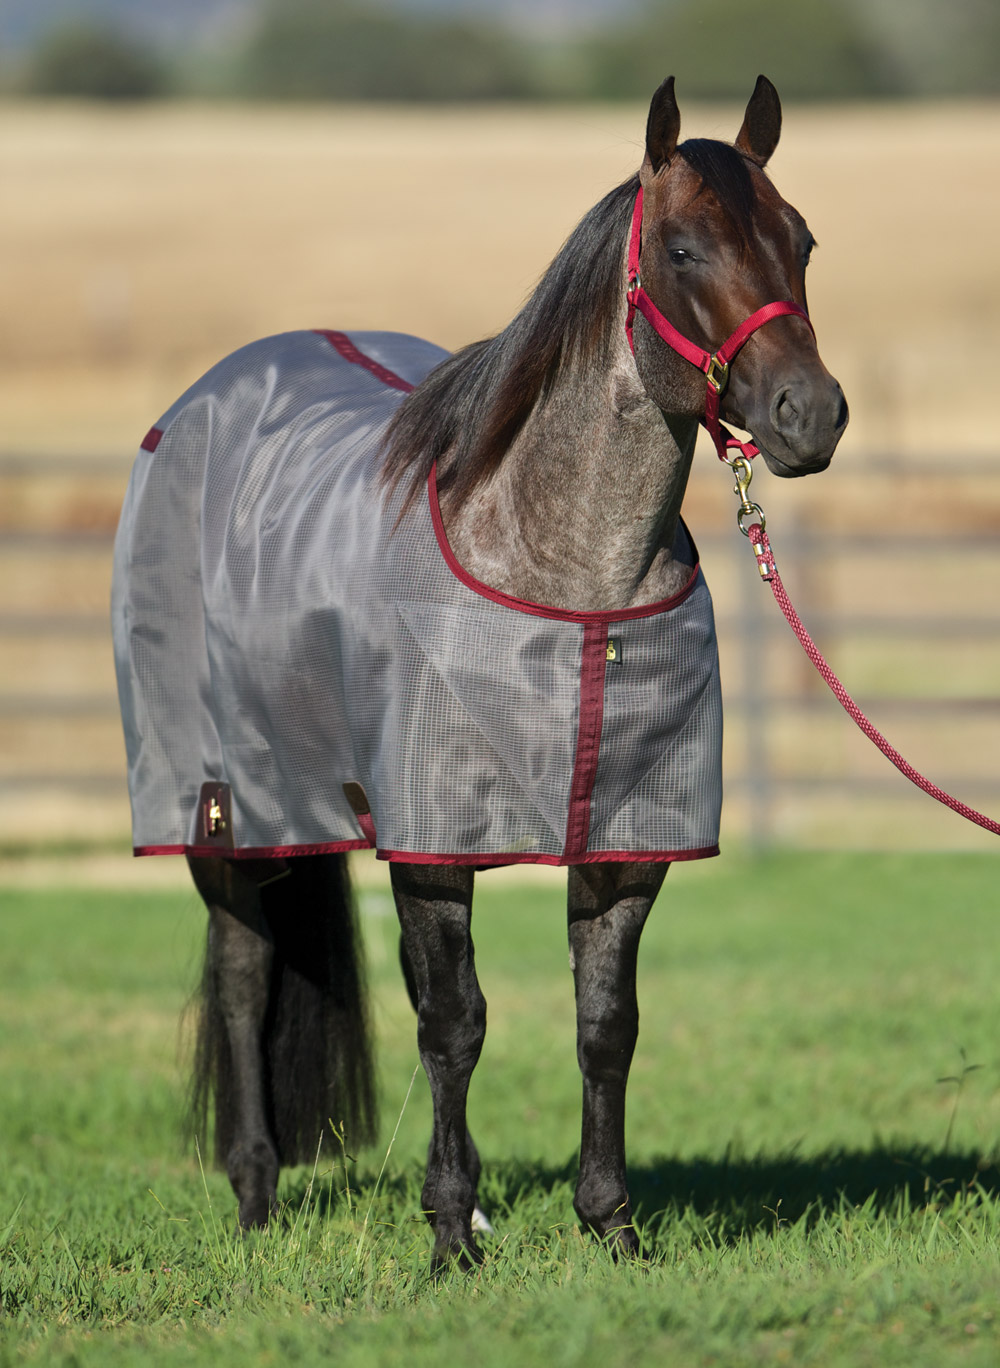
809 1190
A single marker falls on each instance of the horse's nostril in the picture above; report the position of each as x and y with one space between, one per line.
797 411
785 412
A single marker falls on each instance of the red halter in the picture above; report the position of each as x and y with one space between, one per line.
715 365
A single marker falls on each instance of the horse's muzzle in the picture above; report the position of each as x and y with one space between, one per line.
804 423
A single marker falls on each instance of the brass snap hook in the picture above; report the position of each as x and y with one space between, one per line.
743 471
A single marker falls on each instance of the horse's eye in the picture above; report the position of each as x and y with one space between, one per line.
808 251
678 257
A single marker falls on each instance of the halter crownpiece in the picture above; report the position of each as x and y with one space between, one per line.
715 365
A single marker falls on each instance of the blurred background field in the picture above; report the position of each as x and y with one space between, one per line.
141 239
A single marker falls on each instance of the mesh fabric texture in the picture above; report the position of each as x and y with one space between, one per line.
274 633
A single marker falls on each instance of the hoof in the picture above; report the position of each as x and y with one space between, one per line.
623 1242
463 1255
253 1173
256 1215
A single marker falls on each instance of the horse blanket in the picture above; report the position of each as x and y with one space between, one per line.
298 673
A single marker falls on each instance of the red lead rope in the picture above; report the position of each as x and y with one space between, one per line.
716 369
769 572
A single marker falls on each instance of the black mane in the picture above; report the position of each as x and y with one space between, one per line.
479 399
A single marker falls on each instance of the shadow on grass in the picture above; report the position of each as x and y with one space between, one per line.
737 1195
759 1194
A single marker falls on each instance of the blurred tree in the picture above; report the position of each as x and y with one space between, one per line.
334 49
940 50
93 62
811 49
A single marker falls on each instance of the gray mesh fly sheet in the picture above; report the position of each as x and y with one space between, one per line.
297 676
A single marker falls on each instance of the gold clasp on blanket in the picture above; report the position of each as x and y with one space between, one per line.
215 821
743 471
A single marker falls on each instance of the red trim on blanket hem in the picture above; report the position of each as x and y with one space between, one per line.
343 344
255 852
598 615
152 439
484 861
589 857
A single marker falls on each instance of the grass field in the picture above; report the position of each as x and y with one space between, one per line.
814 1118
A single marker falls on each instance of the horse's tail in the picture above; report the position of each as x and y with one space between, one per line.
316 1044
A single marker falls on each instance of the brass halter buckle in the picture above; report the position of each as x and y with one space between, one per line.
717 373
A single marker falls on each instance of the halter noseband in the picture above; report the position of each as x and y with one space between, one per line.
714 364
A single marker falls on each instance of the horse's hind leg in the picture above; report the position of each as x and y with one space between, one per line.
435 908
236 994
608 906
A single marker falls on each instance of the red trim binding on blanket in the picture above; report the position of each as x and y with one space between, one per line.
597 615
593 665
490 861
255 852
152 439
590 857
346 348
343 344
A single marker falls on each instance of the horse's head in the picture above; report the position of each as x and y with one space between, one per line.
718 243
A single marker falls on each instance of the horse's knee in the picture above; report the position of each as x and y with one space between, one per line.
606 1041
452 1009
453 1027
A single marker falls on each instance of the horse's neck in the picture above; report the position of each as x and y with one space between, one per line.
583 512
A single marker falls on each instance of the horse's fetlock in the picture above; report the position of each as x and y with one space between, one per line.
456 1247
253 1172
601 1210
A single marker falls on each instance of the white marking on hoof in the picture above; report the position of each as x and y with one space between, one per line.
480 1224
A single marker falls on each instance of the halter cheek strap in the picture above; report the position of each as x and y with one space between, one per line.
715 365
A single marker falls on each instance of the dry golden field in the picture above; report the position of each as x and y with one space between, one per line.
138 246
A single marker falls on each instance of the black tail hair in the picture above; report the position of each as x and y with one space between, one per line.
318 1057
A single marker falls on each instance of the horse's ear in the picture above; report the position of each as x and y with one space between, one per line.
761 129
662 127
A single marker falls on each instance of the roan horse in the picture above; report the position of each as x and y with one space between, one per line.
554 457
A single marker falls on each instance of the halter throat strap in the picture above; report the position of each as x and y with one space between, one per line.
714 365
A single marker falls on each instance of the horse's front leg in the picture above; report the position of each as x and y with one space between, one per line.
608 905
434 904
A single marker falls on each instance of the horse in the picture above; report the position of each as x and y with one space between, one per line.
367 594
